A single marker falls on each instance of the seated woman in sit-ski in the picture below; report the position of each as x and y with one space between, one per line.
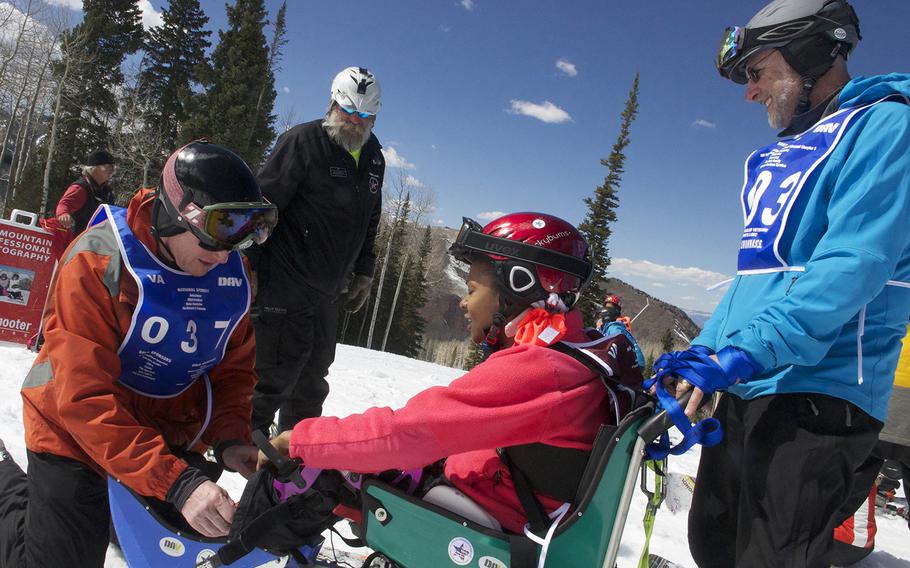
519 302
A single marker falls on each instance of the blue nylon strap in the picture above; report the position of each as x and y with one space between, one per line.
695 366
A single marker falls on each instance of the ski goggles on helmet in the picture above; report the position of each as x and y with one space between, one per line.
731 45
471 239
231 226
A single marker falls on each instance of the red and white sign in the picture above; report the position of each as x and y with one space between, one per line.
28 255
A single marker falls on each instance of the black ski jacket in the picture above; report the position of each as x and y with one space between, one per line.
95 196
328 210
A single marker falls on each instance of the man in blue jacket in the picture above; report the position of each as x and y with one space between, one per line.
808 334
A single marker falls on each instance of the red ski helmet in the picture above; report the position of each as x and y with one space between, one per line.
534 255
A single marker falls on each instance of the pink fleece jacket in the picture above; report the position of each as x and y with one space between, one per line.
519 395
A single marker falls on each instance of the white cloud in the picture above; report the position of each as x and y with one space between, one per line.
546 111
467 4
150 17
658 284
445 28
566 67
702 123
688 298
666 273
489 215
285 90
439 222
71 4
395 160
411 181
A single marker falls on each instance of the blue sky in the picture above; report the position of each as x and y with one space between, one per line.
469 87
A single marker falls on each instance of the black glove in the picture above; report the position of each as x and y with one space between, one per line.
358 292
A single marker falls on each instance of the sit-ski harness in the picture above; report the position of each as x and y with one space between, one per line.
552 470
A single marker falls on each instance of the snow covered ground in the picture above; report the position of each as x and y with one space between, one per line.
361 378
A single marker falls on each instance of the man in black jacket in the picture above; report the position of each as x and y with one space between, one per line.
326 178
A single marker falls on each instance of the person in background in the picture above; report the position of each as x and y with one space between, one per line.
87 193
610 321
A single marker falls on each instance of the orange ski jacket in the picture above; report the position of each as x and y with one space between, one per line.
73 404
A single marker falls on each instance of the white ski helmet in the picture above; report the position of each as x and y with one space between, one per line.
356 88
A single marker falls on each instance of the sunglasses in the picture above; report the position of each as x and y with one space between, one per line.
754 74
231 226
351 111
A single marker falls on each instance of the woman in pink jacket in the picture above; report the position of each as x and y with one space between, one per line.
526 272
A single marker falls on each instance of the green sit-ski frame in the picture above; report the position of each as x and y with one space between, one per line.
415 534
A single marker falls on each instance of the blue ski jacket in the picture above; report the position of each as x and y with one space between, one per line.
833 322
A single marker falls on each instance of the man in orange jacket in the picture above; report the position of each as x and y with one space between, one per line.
148 360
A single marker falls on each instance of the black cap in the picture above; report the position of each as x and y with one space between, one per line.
99 158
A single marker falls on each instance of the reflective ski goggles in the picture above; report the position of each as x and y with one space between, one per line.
471 239
231 226
350 111
731 45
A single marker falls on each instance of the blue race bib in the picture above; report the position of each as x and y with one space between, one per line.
182 323
775 177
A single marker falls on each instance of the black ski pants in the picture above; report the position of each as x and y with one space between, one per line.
772 492
58 515
295 346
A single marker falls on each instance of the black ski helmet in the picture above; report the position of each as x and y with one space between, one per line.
809 34
198 177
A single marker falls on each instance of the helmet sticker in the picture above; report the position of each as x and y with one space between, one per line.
171 546
461 551
374 183
840 34
552 237
538 223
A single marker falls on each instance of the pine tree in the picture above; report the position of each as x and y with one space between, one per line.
236 110
406 337
110 30
602 206
175 59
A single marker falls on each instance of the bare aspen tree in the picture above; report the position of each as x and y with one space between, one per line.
74 55
135 139
23 26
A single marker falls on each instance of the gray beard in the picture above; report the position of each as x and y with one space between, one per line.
780 113
345 134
